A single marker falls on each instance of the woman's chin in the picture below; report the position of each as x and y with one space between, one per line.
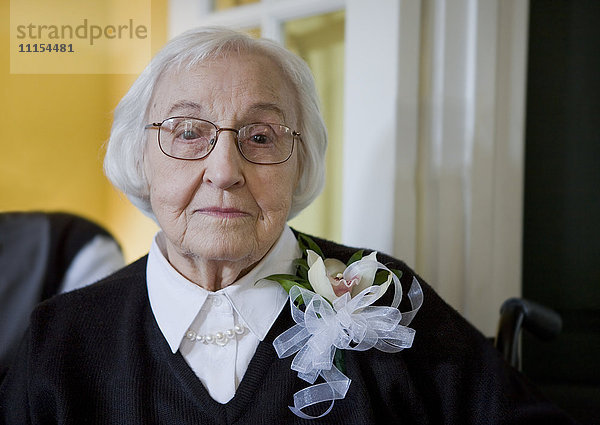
223 242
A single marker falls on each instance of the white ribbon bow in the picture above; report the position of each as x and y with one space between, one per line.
350 324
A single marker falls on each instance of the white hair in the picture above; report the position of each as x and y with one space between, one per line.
124 160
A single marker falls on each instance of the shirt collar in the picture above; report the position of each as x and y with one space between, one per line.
176 301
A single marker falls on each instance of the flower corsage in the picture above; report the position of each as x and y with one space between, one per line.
332 305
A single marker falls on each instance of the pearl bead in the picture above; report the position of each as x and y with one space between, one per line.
220 338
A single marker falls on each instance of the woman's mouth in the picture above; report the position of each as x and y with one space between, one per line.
222 212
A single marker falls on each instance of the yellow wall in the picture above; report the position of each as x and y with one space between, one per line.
319 40
53 130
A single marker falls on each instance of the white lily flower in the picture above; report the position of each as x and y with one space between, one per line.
318 277
368 277
329 277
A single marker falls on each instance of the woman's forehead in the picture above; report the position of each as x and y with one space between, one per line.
248 83
194 109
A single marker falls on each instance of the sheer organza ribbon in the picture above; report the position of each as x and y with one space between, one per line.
350 324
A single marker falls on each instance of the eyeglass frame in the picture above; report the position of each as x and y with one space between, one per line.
218 131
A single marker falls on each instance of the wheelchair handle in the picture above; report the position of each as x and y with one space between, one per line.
517 313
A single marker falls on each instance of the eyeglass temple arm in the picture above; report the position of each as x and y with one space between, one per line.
153 125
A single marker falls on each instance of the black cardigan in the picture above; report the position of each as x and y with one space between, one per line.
97 356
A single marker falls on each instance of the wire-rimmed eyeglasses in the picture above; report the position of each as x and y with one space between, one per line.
193 138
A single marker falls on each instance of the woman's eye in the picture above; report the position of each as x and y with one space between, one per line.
261 139
189 135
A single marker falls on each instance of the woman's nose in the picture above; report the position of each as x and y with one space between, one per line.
224 163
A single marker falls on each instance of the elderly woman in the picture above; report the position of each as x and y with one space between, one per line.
220 140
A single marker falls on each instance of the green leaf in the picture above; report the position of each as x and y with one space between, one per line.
302 245
299 301
397 272
380 277
303 273
288 284
339 361
355 257
279 277
307 243
288 280
301 263
301 268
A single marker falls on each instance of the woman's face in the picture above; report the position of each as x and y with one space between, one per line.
222 207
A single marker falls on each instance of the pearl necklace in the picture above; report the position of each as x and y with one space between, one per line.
219 338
